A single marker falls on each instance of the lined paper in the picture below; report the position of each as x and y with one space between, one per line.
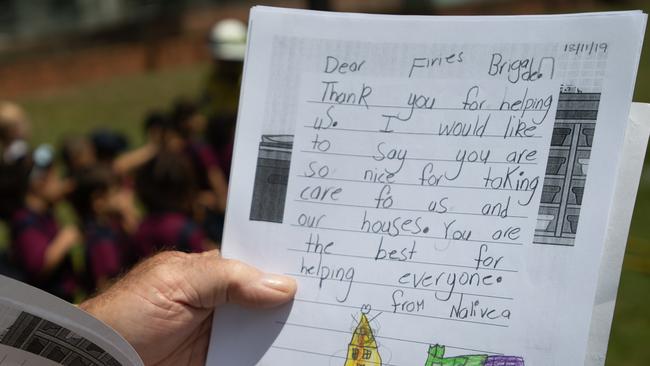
439 187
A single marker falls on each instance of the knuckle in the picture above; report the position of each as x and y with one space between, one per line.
233 270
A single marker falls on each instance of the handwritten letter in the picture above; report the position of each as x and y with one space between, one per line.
438 187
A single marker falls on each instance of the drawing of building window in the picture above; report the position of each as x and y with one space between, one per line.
48 340
567 167
363 349
271 178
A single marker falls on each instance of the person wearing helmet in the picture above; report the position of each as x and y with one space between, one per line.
227 46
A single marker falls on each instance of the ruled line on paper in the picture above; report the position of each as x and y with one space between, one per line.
388 106
402 313
410 235
293 324
409 261
417 185
407 209
405 287
424 133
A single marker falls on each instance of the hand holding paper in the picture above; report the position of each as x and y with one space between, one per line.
164 306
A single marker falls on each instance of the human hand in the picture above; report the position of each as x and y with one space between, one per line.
62 243
164 306
69 235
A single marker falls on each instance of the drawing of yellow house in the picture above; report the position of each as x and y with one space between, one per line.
362 350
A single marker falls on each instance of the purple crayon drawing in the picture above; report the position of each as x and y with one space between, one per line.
504 361
436 357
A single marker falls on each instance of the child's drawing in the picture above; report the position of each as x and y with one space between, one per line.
437 357
363 350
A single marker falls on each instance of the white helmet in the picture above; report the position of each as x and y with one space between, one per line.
228 40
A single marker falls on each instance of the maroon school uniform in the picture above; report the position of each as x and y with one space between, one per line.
107 251
224 157
31 235
203 160
169 230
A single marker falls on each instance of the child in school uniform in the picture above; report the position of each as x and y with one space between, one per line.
98 201
190 124
166 187
30 187
220 135
77 153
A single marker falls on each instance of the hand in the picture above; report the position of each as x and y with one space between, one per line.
62 243
164 306
70 235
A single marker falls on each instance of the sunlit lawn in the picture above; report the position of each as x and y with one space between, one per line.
120 103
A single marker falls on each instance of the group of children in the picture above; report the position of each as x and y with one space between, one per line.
170 193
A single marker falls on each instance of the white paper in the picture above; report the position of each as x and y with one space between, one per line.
39 329
402 169
627 184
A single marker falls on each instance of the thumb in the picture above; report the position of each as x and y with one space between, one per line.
218 281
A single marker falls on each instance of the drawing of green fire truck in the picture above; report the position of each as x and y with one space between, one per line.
437 357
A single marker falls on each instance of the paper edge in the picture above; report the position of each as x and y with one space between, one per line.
602 314
385 17
627 184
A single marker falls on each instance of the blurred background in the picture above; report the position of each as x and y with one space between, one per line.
104 70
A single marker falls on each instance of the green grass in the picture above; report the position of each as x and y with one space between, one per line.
122 102
628 345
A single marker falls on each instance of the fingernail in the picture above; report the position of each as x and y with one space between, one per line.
278 282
